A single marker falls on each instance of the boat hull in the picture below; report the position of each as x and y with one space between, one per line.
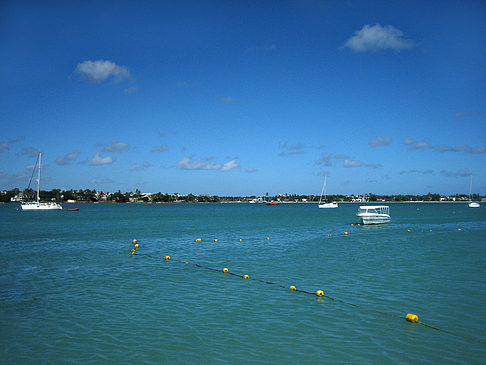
40 206
373 218
474 205
328 205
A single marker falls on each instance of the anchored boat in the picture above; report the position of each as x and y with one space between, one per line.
373 214
472 204
325 204
37 204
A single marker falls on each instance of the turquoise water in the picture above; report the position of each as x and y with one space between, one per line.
72 292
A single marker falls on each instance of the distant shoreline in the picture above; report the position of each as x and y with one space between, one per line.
280 203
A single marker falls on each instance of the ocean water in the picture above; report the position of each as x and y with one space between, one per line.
72 292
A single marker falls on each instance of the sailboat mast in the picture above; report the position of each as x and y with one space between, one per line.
38 176
470 189
323 187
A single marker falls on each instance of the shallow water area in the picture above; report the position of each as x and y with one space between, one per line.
71 290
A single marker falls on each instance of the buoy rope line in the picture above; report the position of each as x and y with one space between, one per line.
319 293
356 232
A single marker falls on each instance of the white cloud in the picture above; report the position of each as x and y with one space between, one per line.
461 148
230 165
352 163
408 141
64 160
228 100
117 146
460 173
403 172
376 38
101 181
420 145
130 90
355 163
99 71
296 149
30 151
251 170
138 167
326 159
6 145
182 84
380 141
161 148
187 163
373 165
265 48
17 139
461 115
98 161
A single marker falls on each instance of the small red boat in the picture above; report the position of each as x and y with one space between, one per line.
272 203
73 209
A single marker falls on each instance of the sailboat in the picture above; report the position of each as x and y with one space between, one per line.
37 204
325 203
472 204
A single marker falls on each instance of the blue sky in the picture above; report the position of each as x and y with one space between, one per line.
244 97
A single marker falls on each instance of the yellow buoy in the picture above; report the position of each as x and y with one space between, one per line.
241 239
293 288
268 238
215 240
328 235
408 230
345 233
225 270
186 263
459 229
136 245
166 257
412 317
320 293
134 241
246 277
197 240
133 252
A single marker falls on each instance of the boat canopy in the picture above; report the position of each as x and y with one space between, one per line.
381 209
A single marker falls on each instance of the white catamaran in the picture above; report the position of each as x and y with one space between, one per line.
325 203
37 204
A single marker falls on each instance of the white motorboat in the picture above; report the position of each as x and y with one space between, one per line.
37 204
373 214
325 203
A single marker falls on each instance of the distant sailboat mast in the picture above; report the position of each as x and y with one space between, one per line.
325 204
38 177
470 188
472 204
323 187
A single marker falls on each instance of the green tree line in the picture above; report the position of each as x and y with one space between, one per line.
88 195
